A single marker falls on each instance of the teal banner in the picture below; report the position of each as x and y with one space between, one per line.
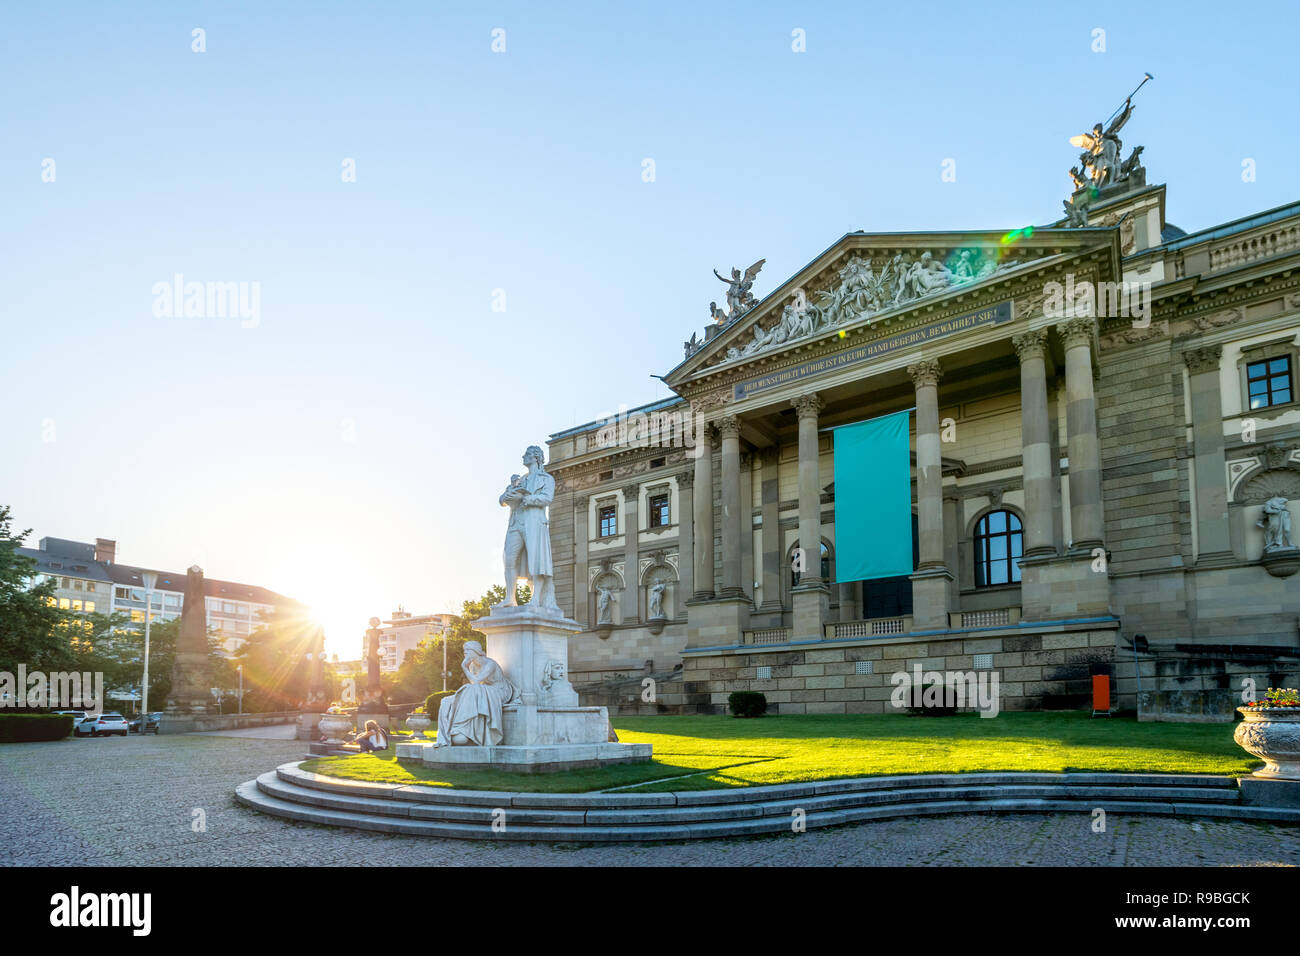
873 499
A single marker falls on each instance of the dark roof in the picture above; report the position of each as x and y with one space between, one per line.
1171 232
65 564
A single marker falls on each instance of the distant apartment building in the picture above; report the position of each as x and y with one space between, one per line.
88 579
403 632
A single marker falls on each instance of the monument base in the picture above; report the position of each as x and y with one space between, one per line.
524 759
543 727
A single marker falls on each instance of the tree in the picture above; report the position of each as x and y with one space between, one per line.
277 670
33 630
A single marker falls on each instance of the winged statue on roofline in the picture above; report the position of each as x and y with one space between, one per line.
739 297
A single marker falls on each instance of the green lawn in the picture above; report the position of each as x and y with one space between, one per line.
702 753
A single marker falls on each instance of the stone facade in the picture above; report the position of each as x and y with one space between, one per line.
1119 442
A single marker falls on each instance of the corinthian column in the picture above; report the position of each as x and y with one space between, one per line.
930 583
1036 442
1086 528
811 597
929 464
729 431
703 501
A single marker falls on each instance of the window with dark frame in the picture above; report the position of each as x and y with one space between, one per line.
608 521
1268 382
659 511
999 546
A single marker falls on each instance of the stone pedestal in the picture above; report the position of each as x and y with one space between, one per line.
544 728
308 727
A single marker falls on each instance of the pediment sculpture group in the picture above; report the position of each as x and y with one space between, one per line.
862 290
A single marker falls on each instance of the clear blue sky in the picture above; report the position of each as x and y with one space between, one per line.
196 440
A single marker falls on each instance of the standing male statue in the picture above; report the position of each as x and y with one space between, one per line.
528 536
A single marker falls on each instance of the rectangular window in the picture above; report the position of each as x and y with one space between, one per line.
65 604
982 662
76 605
90 607
763 672
228 607
1268 382
864 667
659 511
122 594
608 521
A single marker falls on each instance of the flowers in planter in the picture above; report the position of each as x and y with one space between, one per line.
419 710
336 708
1277 697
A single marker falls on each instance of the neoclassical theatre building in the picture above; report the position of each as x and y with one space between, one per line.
1100 482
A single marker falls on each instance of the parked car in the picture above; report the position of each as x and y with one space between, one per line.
77 715
102 725
149 728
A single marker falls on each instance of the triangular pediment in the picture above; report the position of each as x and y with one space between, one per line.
868 278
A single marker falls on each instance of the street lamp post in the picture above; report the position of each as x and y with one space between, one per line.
150 579
240 668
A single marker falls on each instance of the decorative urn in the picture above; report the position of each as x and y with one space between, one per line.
418 723
1273 735
334 726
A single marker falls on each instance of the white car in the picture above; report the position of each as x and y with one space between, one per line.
101 725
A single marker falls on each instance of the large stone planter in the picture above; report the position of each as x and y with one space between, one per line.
334 726
1273 735
418 723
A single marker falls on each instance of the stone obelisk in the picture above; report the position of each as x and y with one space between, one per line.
191 687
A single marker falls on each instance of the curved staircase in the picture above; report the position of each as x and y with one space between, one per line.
296 794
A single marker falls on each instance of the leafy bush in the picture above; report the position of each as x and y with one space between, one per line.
16 728
747 703
433 700
917 705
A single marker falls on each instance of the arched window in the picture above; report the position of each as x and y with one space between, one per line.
826 566
999 545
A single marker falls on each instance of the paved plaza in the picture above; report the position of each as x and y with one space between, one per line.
133 801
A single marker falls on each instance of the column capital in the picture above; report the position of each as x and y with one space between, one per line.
728 427
927 372
808 405
1077 331
581 501
1030 345
1203 359
686 479
631 491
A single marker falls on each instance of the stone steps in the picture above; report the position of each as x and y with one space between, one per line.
296 794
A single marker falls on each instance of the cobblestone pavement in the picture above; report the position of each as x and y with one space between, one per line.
131 801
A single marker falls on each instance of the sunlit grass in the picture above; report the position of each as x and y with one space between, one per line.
700 753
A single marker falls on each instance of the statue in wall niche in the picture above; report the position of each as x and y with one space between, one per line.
657 599
473 715
604 605
528 535
1276 523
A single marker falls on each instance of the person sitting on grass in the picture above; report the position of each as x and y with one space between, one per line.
372 738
